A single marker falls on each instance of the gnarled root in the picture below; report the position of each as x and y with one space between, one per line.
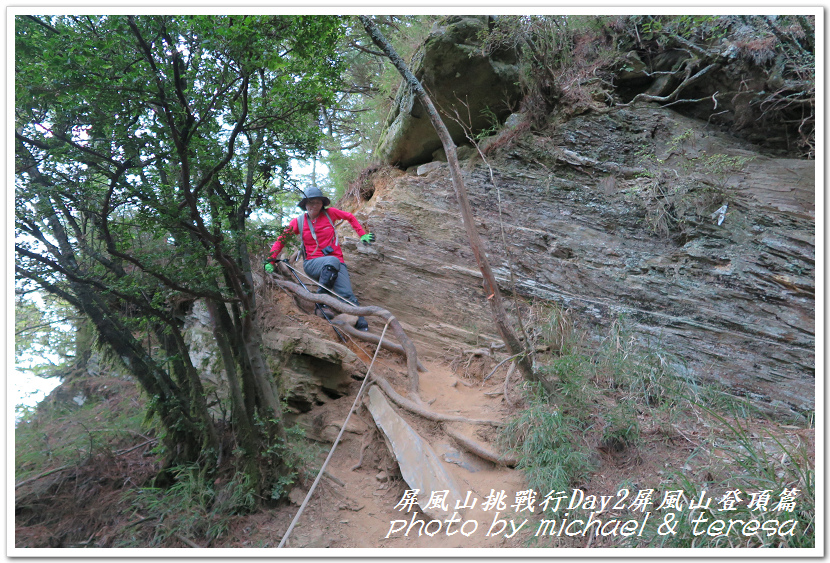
480 450
411 406
374 339
394 324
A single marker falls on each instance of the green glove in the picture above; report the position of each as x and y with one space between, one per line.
367 238
269 267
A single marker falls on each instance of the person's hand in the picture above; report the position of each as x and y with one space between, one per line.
269 267
368 238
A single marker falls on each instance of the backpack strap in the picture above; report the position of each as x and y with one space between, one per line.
300 220
336 238
300 228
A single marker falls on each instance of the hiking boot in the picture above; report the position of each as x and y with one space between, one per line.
361 324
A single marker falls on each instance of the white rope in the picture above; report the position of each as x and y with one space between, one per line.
318 284
336 441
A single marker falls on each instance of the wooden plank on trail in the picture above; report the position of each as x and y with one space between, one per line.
420 466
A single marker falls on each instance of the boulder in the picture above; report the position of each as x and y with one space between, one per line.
198 334
458 77
314 369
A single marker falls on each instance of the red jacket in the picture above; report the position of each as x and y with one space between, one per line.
324 231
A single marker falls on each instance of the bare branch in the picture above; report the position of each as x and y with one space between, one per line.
42 23
365 50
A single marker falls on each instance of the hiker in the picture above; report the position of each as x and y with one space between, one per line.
322 256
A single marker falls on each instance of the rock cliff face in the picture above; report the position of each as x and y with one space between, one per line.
312 368
702 243
620 213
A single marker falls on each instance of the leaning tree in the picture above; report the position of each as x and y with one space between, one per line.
143 143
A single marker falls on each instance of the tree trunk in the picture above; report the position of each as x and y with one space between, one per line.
185 436
496 304
241 417
249 389
175 409
257 396
187 375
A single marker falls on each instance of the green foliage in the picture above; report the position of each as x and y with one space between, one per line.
719 166
603 393
127 151
558 332
622 428
675 203
63 433
571 373
494 126
646 374
195 506
688 26
369 86
718 399
345 168
143 144
563 59
755 464
547 442
44 334
300 457
552 439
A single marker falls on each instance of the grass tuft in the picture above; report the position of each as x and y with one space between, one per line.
545 439
616 398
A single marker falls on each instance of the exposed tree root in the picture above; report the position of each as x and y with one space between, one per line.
333 479
480 450
44 474
507 398
338 305
189 543
363 445
405 403
374 339
501 363
671 97
365 441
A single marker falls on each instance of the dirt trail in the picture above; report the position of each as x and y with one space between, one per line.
359 514
356 506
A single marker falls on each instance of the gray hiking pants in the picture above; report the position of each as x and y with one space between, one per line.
342 285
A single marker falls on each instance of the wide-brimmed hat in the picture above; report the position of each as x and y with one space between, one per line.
311 193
